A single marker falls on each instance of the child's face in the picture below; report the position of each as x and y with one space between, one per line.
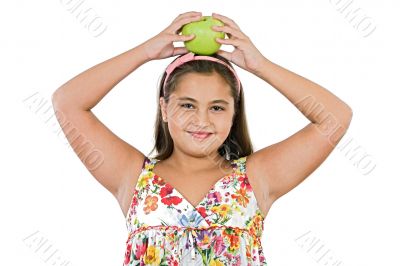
202 114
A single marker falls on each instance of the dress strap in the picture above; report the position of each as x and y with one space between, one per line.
240 165
149 163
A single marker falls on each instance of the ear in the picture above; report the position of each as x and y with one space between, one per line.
163 107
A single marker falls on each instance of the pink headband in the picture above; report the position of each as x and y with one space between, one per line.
190 57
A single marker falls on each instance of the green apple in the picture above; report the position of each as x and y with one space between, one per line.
204 42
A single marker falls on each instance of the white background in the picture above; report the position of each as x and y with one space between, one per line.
47 194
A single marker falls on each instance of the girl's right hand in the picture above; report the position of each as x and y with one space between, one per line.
161 46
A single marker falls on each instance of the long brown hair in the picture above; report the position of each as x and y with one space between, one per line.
237 144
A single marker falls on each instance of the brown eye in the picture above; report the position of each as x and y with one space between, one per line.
186 104
220 108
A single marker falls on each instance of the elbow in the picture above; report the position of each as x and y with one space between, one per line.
347 115
63 100
349 112
58 98
55 97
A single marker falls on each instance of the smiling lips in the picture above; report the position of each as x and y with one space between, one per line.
200 134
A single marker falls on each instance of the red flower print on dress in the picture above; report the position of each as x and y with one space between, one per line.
166 190
158 181
229 220
202 211
140 250
128 253
244 183
171 200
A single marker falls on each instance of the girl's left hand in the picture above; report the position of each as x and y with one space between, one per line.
245 55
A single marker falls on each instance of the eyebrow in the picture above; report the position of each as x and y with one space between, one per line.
194 100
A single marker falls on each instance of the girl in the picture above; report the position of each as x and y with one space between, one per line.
203 198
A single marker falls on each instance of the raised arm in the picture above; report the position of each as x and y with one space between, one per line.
285 164
108 158
113 162
86 90
280 167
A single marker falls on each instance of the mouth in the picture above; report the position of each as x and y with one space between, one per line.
200 134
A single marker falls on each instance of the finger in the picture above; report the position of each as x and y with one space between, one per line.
225 54
180 50
234 42
187 14
225 20
177 26
182 38
229 30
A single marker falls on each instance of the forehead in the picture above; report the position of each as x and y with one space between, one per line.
203 86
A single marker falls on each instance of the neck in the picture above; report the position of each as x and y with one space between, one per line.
197 164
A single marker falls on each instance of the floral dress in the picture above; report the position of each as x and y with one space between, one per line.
164 228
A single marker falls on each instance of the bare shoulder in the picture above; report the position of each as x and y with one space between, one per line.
282 166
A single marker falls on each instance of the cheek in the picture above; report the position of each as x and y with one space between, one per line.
174 128
223 121
182 119
223 130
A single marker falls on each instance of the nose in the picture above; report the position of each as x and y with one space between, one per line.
201 119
